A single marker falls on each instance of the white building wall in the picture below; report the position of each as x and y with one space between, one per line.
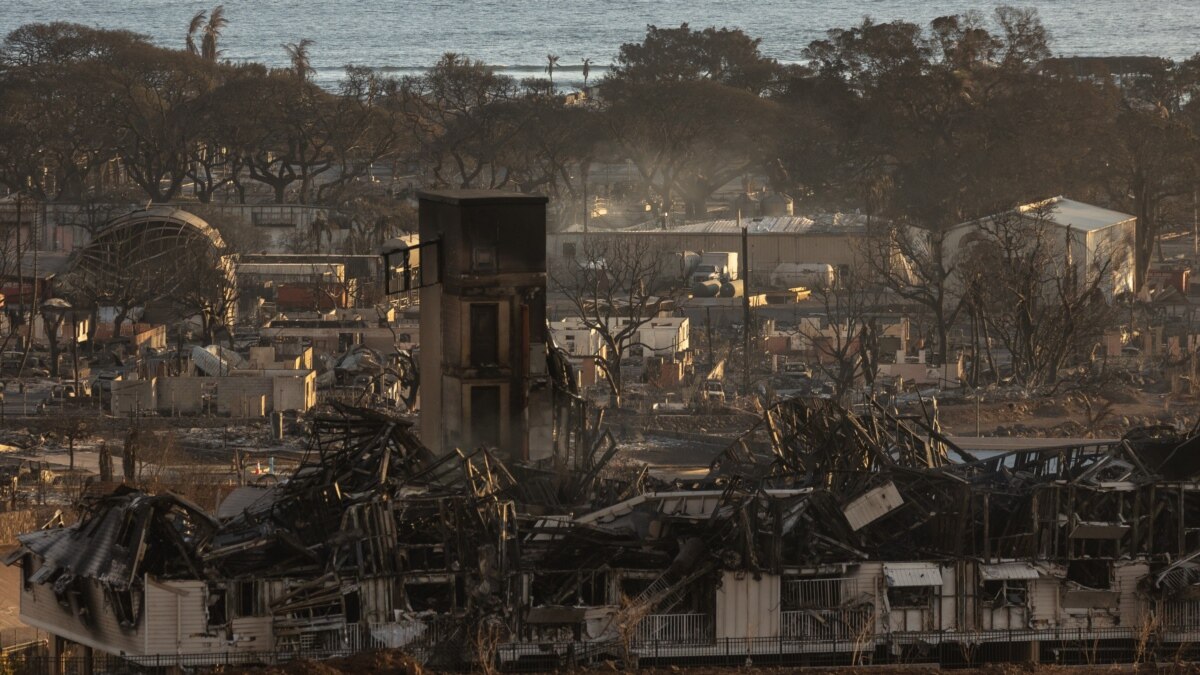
659 336
767 250
665 336
177 622
575 339
748 607
867 580
1126 575
41 609
295 392
177 619
1045 598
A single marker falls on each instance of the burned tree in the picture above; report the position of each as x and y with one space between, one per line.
208 291
454 112
13 247
845 339
614 286
914 264
286 140
687 108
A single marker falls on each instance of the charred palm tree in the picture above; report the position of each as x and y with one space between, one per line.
194 27
212 33
298 55
551 63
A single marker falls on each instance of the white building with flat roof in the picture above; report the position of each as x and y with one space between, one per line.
660 336
1099 238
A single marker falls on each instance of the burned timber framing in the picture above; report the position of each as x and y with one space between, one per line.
823 535
853 534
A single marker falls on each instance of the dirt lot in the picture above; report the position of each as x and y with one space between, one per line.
1106 415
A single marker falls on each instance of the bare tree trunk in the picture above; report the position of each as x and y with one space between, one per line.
33 303
52 329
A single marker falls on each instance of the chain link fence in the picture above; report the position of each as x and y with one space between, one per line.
1075 647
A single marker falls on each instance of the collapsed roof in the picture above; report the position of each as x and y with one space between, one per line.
829 486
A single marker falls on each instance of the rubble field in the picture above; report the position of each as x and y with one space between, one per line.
848 527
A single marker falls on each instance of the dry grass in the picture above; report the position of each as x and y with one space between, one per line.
13 523
485 643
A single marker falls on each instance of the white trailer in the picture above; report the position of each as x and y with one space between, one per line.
810 275
716 266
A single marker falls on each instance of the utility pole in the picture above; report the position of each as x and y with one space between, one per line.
33 303
21 290
745 268
587 208
708 330
1195 226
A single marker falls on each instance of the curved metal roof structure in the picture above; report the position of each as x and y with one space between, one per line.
156 247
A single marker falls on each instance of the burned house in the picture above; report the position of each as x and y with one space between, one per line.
858 536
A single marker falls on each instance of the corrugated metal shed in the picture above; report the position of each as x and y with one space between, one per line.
900 575
1008 571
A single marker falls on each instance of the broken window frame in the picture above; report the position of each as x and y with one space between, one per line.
400 275
125 604
248 602
912 597
217 605
998 593
1078 572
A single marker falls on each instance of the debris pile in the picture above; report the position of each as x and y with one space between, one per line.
376 537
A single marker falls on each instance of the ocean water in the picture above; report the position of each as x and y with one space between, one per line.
404 36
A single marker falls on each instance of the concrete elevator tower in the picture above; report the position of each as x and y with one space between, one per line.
483 322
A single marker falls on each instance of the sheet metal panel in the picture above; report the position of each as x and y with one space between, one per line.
1086 530
1008 571
900 575
873 505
